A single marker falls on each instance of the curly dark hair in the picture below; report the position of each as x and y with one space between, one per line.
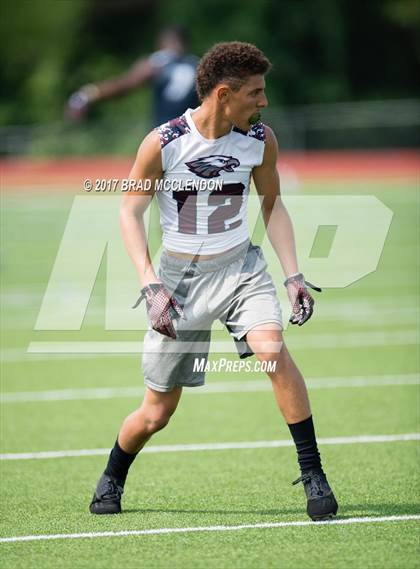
232 62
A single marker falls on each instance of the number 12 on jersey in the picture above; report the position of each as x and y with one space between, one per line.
228 201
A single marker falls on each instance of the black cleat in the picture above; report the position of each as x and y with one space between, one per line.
322 504
107 496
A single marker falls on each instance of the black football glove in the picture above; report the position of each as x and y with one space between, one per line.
159 304
300 299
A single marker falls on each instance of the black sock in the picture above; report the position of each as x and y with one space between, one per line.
118 463
303 434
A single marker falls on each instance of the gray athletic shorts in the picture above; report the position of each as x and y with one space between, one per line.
233 287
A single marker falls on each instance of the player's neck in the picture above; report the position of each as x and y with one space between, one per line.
210 121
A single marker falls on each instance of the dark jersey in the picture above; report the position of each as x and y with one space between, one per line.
173 85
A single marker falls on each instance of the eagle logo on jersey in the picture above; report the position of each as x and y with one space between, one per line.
211 166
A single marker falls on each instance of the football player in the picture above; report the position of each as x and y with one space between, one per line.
170 70
209 269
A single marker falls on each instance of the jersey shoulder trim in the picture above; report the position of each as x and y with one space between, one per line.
172 130
256 131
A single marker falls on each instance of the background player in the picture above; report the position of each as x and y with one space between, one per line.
170 70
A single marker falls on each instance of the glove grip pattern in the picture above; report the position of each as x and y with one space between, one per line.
302 302
159 304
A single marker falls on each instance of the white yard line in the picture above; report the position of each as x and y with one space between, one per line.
295 342
163 531
212 387
360 439
366 314
37 351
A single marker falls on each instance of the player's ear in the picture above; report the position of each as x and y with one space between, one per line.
222 94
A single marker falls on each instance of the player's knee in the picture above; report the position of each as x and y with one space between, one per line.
266 345
155 424
268 357
157 420
275 361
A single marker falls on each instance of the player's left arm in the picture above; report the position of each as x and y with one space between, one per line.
280 230
276 218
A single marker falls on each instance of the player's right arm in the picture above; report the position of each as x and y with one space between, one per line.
161 306
147 166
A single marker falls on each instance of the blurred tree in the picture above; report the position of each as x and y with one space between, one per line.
322 50
37 40
381 61
406 15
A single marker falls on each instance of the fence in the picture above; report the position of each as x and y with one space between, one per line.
355 125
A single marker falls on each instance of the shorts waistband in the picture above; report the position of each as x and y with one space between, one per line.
208 265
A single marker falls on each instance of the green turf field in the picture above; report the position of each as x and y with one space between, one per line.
363 382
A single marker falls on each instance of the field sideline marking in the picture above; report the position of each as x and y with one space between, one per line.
215 387
40 350
309 341
360 439
160 531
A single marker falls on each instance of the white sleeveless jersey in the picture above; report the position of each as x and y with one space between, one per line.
204 191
